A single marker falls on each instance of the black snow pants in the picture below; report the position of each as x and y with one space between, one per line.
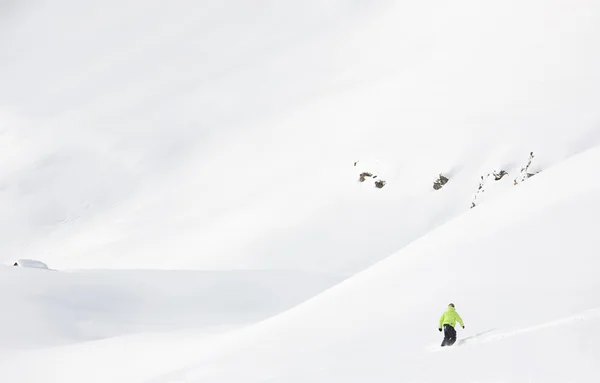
449 335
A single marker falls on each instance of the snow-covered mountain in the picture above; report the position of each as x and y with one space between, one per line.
228 139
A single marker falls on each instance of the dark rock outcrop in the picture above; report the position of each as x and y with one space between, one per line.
440 182
525 174
499 176
364 175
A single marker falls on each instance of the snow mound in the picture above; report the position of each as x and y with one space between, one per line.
31 263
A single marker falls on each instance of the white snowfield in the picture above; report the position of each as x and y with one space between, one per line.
524 267
191 169
49 309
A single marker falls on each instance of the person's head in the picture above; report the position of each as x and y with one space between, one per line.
451 305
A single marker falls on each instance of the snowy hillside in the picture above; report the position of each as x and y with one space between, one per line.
225 135
522 272
200 164
524 269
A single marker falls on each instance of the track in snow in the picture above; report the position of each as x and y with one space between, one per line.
490 336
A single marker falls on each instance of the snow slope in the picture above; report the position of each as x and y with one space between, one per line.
522 272
230 135
225 135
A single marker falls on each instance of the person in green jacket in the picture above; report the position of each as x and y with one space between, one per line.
448 322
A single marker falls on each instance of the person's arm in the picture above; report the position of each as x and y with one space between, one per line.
459 319
442 321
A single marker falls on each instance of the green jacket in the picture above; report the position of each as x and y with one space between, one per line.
451 317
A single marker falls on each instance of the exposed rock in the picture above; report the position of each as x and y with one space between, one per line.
525 174
499 176
363 176
380 183
480 189
440 182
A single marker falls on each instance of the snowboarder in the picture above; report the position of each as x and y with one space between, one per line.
448 322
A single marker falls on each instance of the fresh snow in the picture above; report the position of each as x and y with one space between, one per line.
524 270
31 263
190 170
49 309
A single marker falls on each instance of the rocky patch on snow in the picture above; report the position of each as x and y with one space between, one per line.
440 182
525 171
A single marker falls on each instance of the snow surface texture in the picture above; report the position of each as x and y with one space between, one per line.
223 136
